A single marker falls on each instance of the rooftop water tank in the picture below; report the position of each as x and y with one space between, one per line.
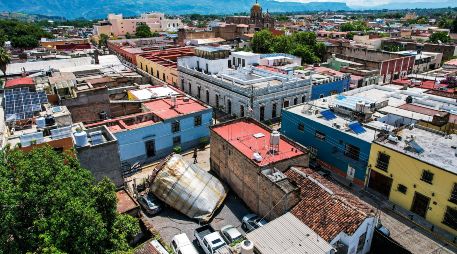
81 138
247 247
275 137
41 122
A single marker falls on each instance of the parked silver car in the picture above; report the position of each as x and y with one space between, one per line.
150 204
231 234
252 221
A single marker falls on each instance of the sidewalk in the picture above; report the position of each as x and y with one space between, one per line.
411 231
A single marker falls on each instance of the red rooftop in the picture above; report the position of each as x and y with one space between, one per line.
249 137
13 83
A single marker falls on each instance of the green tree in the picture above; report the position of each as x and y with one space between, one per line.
442 37
305 38
306 54
143 31
454 26
262 41
24 41
320 50
128 35
49 204
347 27
103 41
5 59
283 44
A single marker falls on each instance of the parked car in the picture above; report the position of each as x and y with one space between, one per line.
252 221
182 245
150 204
210 241
231 234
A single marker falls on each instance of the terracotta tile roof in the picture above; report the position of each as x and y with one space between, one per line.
325 207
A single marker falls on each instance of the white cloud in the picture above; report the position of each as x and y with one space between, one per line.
366 3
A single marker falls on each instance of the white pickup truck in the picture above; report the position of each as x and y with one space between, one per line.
211 241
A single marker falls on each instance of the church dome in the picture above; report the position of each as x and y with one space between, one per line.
256 8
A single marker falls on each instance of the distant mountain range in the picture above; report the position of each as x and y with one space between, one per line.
405 4
93 9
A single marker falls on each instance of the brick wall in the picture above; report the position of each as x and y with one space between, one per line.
245 178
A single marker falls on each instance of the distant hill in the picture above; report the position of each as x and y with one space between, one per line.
405 4
92 9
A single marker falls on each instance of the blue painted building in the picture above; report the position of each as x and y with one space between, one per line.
336 143
326 83
164 125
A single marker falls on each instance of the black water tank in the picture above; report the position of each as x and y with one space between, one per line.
49 120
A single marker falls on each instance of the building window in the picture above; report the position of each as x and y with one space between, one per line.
301 127
286 104
241 110
361 243
177 141
401 188
383 161
190 89
273 110
229 107
199 89
243 62
175 127
197 120
150 148
207 96
352 152
303 99
450 218
319 135
427 176
295 101
313 151
262 113
453 197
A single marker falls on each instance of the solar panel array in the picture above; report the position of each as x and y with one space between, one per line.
22 103
357 128
328 115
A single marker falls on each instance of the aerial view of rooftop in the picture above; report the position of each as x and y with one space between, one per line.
228 127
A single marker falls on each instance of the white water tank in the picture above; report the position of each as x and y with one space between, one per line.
41 122
275 137
81 138
247 247
359 106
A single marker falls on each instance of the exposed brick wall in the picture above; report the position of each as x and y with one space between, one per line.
245 178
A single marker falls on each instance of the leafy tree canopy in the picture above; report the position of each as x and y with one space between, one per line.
354 26
143 31
438 37
21 34
302 44
49 204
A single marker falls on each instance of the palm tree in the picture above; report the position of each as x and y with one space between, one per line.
5 59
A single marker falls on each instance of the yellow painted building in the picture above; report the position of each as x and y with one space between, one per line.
418 172
163 64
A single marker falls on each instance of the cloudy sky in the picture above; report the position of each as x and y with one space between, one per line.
366 3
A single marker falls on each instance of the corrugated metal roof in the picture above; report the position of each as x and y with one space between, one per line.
288 235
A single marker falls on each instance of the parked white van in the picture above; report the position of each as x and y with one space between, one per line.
182 245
